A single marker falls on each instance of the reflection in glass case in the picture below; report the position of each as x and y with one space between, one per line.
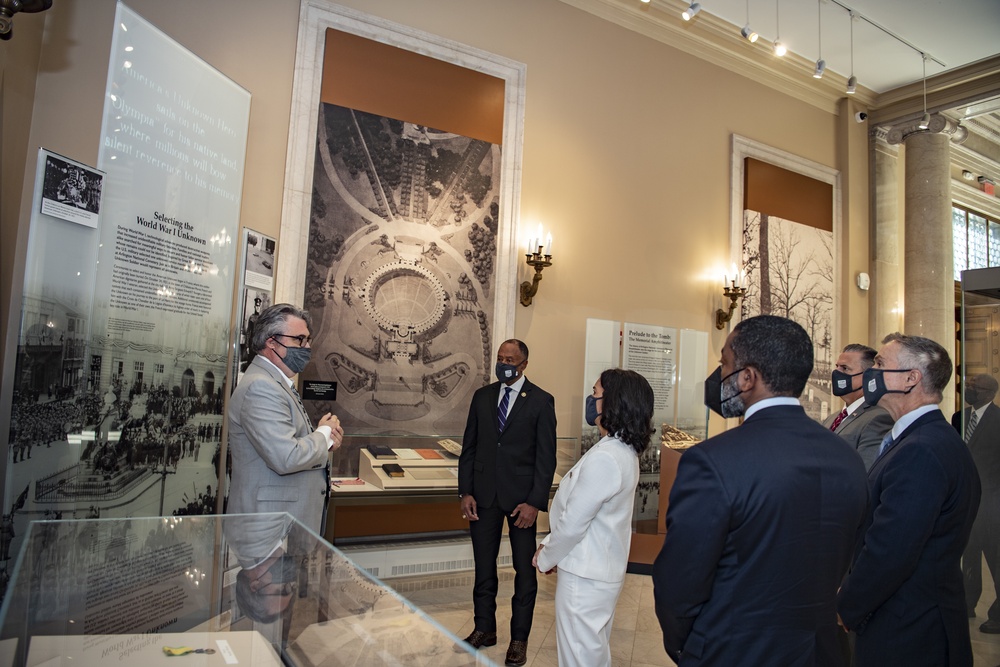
980 336
217 590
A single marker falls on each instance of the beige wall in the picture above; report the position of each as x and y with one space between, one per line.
626 150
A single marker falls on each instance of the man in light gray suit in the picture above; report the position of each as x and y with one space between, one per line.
279 461
863 426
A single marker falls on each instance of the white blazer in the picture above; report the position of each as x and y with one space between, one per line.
590 521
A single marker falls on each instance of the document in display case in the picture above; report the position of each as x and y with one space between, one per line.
206 590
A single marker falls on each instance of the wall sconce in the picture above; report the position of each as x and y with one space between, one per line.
734 290
538 260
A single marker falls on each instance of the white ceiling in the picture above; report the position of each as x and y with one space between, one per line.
955 32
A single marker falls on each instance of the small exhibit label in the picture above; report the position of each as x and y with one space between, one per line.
319 390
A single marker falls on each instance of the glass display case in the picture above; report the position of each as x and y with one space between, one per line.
980 332
367 503
206 590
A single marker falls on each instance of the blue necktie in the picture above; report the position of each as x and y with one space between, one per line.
502 408
886 441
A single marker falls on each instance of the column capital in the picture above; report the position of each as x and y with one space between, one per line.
940 124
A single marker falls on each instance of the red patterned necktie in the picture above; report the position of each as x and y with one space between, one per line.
840 418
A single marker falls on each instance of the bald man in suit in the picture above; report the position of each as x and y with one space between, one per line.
863 426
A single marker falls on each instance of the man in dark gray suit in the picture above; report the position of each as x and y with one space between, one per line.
279 460
982 437
863 426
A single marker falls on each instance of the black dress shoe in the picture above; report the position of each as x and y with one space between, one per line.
479 638
990 627
517 653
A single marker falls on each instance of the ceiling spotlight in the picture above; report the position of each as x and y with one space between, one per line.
852 82
820 63
645 2
779 48
10 7
925 120
747 31
691 11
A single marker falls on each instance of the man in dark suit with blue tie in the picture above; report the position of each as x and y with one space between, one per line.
763 518
505 474
904 596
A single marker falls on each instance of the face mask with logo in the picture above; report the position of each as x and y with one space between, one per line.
295 358
590 412
715 387
843 383
506 372
873 384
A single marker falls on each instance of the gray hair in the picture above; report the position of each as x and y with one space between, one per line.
272 321
928 357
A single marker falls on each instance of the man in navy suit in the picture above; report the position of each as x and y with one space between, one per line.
982 437
904 596
505 474
763 518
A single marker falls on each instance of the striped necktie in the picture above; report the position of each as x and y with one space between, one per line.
502 408
971 426
298 399
840 418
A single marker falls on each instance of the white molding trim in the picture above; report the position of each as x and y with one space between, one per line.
744 148
314 18
716 41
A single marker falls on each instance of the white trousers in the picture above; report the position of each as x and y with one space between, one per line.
585 611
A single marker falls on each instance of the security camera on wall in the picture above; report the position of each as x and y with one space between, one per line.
860 117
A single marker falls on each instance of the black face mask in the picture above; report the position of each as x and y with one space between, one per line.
714 401
843 384
507 372
972 397
873 384
284 570
590 412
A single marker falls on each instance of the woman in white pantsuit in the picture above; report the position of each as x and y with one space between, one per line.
590 521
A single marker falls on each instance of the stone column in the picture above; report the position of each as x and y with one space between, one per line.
928 275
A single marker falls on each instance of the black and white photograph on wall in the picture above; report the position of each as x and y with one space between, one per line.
71 191
256 288
259 266
789 270
254 302
400 279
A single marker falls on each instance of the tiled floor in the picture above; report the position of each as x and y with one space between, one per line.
635 640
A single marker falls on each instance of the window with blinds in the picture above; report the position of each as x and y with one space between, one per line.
976 241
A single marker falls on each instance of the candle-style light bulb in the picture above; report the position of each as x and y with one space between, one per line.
548 245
